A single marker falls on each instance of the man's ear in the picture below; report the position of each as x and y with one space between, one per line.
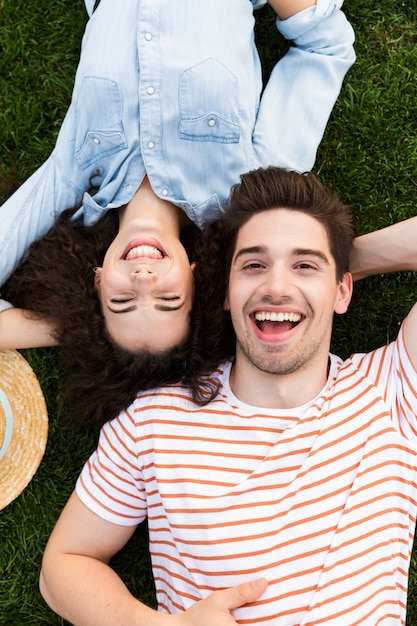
97 277
344 295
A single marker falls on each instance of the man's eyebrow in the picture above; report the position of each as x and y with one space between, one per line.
250 250
296 252
311 252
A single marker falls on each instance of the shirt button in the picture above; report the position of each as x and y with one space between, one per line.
148 36
150 91
165 192
151 145
96 140
212 122
128 187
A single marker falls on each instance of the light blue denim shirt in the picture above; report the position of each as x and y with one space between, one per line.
172 89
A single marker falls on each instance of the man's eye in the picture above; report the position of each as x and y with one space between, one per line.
252 266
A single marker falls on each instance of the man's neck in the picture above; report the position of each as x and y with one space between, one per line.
280 391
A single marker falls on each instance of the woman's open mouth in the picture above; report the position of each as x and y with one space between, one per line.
140 249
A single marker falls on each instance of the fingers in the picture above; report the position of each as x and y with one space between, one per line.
217 607
242 594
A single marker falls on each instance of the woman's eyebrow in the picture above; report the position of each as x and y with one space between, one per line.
130 308
165 307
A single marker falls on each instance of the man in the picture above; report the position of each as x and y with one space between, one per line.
290 497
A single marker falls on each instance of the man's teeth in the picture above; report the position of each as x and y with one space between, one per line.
271 316
144 251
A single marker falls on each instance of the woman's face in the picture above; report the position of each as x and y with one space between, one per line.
146 282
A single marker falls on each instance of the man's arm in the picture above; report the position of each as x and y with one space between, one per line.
391 249
23 329
77 582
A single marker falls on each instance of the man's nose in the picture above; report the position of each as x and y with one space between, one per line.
278 282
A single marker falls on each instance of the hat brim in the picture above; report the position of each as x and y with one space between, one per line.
23 425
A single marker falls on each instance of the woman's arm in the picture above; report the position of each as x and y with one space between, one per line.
304 84
21 329
287 8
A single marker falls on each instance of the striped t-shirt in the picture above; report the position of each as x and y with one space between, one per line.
319 499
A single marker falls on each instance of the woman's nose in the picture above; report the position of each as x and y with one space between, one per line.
143 274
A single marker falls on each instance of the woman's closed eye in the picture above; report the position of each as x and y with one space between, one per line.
117 304
169 298
122 299
170 303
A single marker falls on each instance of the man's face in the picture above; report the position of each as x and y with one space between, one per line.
283 292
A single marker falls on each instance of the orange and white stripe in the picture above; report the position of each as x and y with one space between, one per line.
319 499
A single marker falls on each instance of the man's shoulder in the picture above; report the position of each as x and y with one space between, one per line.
376 365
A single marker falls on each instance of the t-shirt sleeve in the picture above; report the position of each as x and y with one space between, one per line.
111 484
395 377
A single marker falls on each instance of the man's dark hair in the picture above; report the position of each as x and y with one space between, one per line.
262 190
274 187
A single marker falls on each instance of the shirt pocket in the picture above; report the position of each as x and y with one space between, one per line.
98 117
209 104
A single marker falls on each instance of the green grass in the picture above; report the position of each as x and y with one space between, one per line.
369 155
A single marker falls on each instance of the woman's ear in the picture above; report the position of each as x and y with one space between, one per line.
97 276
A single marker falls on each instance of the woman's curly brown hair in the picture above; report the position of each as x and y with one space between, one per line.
101 379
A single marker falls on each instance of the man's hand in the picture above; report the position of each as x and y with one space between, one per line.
216 608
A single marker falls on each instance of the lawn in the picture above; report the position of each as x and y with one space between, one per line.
369 155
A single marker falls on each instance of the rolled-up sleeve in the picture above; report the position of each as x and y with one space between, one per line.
32 210
303 86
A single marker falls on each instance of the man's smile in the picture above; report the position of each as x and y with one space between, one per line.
274 324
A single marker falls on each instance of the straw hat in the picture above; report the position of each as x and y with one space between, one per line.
23 425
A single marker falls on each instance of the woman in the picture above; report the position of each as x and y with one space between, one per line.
167 111
61 299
